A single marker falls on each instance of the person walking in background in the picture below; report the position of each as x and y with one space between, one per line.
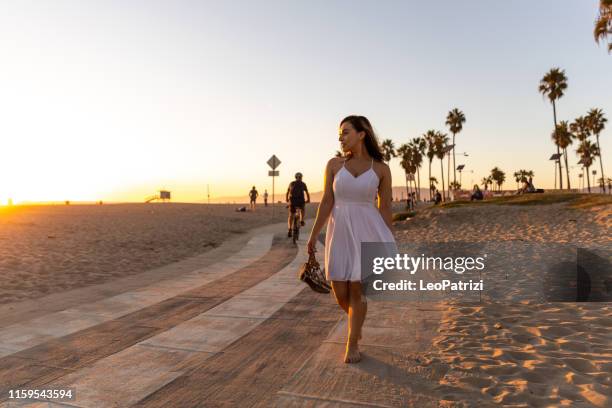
297 202
265 196
437 197
350 185
253 194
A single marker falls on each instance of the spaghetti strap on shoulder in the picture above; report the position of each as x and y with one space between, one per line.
372 165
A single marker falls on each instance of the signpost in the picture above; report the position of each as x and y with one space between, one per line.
460 169
273 162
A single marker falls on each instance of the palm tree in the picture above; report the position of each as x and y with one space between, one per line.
419 146
581 130
552 86
430 140
485 182
603 24
498 176
522 174
517 177
597 123
455 120
563 138
388 150
405 154
441 143
587 151
433 182
454 185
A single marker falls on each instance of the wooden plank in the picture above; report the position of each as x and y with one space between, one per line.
384 377
125 377
395 335
51 359
256 366
208 333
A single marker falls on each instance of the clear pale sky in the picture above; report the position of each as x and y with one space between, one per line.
113 100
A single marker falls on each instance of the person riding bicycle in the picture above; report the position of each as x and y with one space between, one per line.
295 198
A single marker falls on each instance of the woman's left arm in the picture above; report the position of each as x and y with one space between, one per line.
385 196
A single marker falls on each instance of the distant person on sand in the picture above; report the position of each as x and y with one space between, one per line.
253 194
527 186
350 184
265 196
530 187
437 197
295 198
476 194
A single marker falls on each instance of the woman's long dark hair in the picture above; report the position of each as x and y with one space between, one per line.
362 124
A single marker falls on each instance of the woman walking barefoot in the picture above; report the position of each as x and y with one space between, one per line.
352 184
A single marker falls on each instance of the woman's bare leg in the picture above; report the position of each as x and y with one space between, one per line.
341 293
357 312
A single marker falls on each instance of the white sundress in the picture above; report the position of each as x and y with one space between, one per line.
354 219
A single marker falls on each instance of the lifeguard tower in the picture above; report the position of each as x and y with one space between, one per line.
163 196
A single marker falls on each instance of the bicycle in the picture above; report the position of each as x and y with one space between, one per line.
295 234
295 226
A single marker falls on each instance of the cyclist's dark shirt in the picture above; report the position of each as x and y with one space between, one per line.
296 192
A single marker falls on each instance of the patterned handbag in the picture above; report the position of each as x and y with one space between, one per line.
311 273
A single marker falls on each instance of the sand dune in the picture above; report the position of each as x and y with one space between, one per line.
49 249
513 348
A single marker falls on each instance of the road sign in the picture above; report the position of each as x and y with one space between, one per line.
273 173
273 162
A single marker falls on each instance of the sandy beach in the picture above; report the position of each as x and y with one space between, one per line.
516 347
513 348
53 248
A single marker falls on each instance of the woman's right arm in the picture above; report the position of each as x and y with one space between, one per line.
325 206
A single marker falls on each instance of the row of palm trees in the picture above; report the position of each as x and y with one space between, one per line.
432 144
498 177
519 175
553 85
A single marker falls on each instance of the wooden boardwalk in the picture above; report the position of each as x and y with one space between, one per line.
242 331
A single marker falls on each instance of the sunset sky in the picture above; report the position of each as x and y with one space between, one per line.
113 100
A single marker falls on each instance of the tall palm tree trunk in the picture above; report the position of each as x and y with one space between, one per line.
566 168
430 192
588 179
558 150
407 190
603 180
448 176
454 165
418 194
442 173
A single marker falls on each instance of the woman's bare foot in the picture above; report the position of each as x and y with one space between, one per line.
352 354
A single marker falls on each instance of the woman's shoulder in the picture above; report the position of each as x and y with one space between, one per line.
335 163
381 167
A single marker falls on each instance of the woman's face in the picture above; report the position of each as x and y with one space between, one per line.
349 138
